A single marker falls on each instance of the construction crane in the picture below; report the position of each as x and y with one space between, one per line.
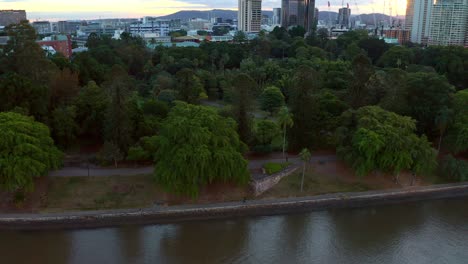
357 11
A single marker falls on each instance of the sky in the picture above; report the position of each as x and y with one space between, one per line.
91 9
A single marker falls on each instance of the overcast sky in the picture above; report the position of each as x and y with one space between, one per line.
87 9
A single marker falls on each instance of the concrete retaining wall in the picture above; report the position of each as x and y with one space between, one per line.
173 214
263 185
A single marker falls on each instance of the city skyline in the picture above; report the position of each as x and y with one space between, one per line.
87 9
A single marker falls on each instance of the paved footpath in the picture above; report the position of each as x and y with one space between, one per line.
100 172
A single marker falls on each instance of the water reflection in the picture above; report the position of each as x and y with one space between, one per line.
432 232
204 242
35 247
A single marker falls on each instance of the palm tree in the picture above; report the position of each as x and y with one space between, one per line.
285 119
305 157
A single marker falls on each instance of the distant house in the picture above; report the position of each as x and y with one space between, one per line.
60 43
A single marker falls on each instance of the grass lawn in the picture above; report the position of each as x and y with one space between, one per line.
122 192
95 193
274 167
314 184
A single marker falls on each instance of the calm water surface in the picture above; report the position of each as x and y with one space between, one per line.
430 232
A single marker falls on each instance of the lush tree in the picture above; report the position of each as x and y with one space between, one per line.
26 151
64 88
454 169
25 56
18 91
442 121
188 86
242 105
307 82
118 128
91 106
272 99
210 152
371 138
265 132
64 127
362 70
110 153
458 133
427 95
397 57
374 47
297 31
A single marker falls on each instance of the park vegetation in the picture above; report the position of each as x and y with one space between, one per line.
195 111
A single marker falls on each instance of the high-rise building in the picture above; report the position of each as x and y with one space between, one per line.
418 13
250 15
8 17
449 23
298 13
276 20
344 17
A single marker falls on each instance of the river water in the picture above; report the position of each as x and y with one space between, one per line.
429 232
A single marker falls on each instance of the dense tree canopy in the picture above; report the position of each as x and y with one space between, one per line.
116 96
371 138
196 146
26 151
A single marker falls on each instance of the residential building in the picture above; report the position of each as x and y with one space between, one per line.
173 23
199 24
96 28
298 13
250 15
161 27
8 17
449 23
276 19
42 27
418 13
344 17
57 43
401 35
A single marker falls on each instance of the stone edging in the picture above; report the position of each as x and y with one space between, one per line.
263 185
163 215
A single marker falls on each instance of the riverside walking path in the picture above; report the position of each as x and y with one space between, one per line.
255 165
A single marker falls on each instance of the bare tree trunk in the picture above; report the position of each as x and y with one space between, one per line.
397 179
284 143
412 178
302 181
440 143
115 163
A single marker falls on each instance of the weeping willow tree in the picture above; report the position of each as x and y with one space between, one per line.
26 151
375 139
196 146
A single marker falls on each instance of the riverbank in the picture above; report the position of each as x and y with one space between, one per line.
163 215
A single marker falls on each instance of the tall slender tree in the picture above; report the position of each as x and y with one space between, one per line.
285 120
305 157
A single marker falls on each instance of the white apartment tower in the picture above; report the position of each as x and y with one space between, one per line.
250 15
449 23
418 13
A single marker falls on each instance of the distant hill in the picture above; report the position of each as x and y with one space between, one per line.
186 15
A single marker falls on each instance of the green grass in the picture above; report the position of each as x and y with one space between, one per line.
96 193
274 167
314 184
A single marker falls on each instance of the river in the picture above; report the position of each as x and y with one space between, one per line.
427 232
